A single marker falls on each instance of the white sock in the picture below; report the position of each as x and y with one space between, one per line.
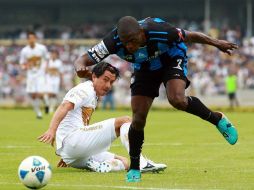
143 161
36 106
124 135
125 141
52 104
46 99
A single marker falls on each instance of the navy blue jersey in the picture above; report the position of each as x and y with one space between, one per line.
161 38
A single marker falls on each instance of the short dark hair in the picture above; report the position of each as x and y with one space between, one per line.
55 51
127 25
30 33
101 67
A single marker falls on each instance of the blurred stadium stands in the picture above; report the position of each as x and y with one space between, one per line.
73 26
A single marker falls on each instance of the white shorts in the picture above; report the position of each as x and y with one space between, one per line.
88 141
53 84
35 83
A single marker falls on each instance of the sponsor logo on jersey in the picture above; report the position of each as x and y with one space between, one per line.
156 54
141 55
92 128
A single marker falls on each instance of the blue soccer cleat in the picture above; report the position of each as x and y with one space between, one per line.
227 129
133 176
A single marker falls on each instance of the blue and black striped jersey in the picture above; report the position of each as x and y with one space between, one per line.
161 37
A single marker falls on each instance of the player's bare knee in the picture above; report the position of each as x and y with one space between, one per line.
119 121
178 101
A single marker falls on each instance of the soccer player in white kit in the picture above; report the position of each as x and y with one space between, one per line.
85 146
53 79
33 59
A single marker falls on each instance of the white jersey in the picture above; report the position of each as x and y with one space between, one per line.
38 55
84 98
55 64
53 76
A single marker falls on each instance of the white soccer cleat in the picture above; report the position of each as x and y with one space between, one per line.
95 166
152 167
104 167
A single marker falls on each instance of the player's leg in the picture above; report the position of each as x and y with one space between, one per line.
52 102
31 89
85 142
119 122
36 101
175 88
236 100
53 89
146 165
43 86
46 102
144 88
107 162
231 100
140 108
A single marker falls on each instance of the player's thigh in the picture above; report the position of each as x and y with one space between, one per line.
146 83
103 156
53 84
31 84
90 140
41 85
175 68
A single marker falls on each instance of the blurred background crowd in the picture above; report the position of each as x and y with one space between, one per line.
208 68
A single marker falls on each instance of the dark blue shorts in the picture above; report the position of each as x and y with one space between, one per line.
147 83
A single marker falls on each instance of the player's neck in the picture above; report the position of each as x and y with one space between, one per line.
32 45
143 39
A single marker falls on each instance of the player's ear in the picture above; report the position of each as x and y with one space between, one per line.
142 32
93 76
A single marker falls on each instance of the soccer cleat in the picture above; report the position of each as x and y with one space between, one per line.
104 167
133 176
227 129
39 117
153 167
95 166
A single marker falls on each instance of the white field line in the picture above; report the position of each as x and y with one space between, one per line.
102 186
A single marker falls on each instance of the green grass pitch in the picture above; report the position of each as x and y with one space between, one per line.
197 155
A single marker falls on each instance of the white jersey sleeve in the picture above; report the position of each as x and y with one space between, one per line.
45 53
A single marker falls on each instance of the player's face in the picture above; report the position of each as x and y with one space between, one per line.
132 42
31 39
104 83
54 55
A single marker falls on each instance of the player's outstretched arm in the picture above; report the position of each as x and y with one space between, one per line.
198 37
81 64
62 110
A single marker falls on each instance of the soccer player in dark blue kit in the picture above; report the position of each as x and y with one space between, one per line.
157 51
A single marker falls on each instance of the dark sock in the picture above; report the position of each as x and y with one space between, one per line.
196 107
136 139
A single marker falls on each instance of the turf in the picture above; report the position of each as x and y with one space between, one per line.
197 155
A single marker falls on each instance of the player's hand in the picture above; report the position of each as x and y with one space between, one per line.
62 164
226 47
81 69
47 137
